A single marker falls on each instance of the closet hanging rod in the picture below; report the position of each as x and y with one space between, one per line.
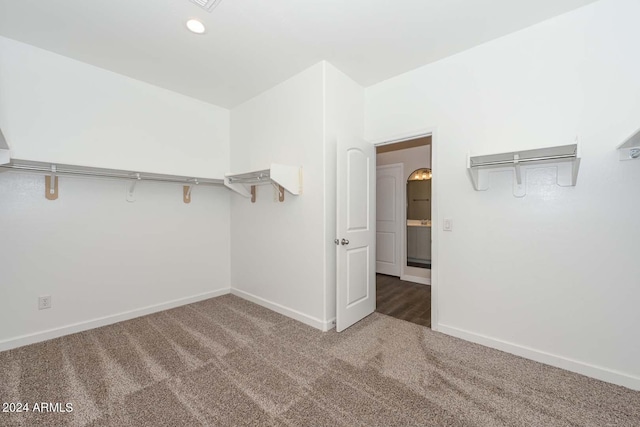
29 166
525 160
260 177
265 180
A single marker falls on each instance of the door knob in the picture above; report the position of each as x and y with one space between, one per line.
344 242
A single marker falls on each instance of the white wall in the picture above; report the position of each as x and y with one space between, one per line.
56 109
554 275
101 258
283 255
277 249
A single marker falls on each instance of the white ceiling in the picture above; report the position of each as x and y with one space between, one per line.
252 45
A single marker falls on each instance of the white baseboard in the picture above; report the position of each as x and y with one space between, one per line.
416 279
103 321
597 372
289 312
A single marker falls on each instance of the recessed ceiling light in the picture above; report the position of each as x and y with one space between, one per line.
195 26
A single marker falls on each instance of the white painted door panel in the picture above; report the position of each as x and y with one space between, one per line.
356 281
389 197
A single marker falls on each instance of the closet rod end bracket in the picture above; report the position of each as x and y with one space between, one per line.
131 188
186 190
51 184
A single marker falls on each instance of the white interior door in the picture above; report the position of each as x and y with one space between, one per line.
389 198
356 240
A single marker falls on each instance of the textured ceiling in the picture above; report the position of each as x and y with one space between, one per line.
252 45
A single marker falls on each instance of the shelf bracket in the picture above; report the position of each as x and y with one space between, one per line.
519 189
131 188
51 184
5 153
186 190
280 190
282 177
238 188
630 148
516 162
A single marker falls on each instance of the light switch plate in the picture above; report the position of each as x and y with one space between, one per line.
447 224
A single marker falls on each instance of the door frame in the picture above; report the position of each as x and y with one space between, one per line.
435 215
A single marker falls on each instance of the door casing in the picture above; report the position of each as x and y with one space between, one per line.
435 211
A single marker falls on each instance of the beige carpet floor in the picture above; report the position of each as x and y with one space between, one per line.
229 362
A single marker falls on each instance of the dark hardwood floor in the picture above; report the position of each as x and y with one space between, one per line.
403 300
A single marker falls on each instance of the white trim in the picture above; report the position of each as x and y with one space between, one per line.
435 217
328 243
420 273
104 321
289 312
406 136
598 372
416 279
435 227
329 325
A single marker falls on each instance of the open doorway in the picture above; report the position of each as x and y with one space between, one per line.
403 230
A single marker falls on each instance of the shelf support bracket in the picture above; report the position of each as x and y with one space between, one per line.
131 195
516 162
186 190
280 193
630 148
280 190
519 189
282 177
51 184
5 154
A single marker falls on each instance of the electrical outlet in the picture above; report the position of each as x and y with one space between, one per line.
44 302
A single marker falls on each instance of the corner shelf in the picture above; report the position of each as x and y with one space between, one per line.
630 149
283 176
565 157
5 156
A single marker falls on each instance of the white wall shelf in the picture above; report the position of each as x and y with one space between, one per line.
283 177
630 149
564 157
53 170
5 156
